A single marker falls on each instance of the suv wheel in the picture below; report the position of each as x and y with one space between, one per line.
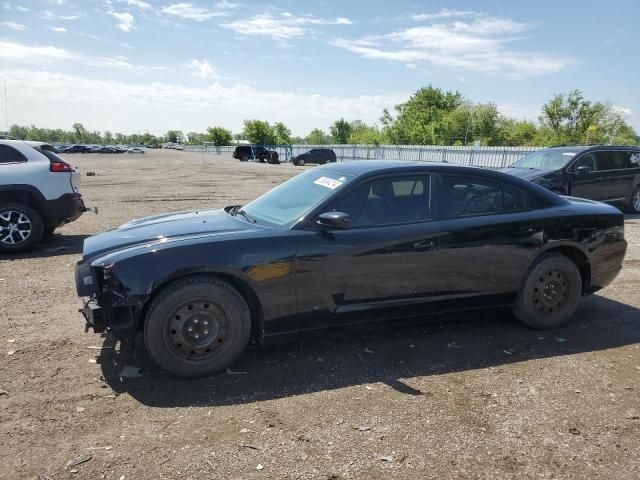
634 203
300 162
21 227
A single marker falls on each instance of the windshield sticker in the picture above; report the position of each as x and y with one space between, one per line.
342 179
328 182
569 154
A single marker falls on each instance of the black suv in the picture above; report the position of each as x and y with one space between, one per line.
315 155
255 152
607 173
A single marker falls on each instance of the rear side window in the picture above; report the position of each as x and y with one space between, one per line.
613 160
11 155
467 196
53 157
634 157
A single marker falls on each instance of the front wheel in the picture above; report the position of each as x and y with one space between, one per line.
634 202
197 326
550 293
21 227
300 162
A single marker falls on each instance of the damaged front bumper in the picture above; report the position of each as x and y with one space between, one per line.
104 307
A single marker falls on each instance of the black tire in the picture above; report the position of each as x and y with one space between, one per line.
634 201
19 218
244 158
274 159
194 307
301 162
550 293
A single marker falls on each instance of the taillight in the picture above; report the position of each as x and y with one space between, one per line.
61 167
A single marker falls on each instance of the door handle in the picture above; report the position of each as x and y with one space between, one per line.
528 230
423 245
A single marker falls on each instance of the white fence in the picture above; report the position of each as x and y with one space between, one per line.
471 155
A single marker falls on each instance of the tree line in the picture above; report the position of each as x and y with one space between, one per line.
431 116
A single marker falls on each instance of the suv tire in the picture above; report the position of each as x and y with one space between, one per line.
300 162
550 293
197 326
21 227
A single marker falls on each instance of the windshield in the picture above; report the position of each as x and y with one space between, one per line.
546 159
292 200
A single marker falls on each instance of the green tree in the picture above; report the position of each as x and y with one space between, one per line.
195 138
257 131
19 131
219 136
569 116
174 136
340 131
361 133
282 133
420 119
317 137
512 132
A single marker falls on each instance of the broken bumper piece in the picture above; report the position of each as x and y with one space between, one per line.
93 315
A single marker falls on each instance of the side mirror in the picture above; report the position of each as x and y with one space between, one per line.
582 169
334 220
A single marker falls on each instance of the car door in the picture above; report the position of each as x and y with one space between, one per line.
616 175
585 183
379 267
489 234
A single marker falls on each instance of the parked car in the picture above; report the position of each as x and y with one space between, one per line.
315 155
39 192
341 245
137 150
256 152
78 149
606 173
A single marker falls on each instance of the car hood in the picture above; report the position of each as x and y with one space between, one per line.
162 228
524 173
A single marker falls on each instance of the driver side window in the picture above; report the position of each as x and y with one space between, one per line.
386 201
588 160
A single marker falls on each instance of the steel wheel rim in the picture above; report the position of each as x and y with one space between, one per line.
198 330
550 292
636 201
15 227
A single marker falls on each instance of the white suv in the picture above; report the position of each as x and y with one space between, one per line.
39 192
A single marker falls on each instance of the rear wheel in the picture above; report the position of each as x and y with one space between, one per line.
301 162
634 202
197 326
550 294
21 227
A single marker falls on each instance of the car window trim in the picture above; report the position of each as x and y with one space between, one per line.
310 222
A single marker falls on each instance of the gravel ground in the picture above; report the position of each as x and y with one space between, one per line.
464 396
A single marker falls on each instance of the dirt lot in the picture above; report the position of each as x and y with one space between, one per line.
473 396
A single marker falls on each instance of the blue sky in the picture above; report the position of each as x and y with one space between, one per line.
143 65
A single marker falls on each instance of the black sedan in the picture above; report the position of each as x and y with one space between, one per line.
345 244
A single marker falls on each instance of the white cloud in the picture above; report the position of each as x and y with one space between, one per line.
443 13
137 3
126 22
20 8
46 54
281 26
49 15
43 97
59 29
14 26
627 112
202 68
189 11
478 44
